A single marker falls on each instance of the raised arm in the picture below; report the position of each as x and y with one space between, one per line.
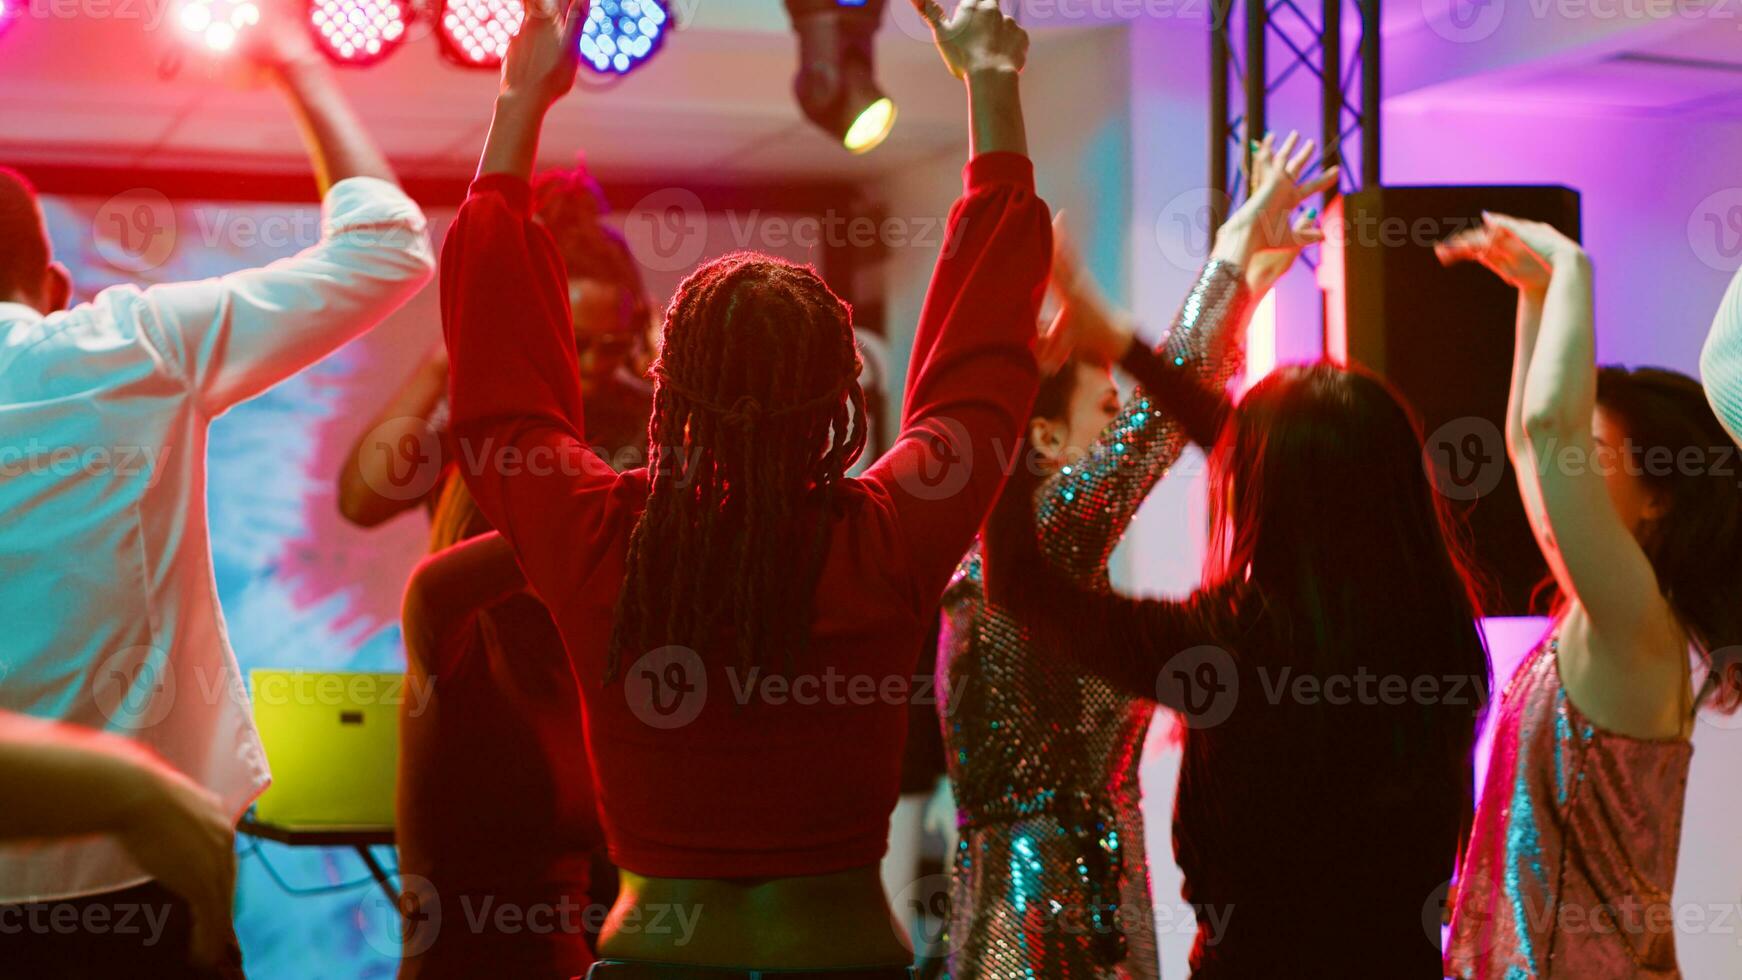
973 374
1497 248
374 471
1084 511
62 781
1127 641
232 337
1594 557
515 396
1721 360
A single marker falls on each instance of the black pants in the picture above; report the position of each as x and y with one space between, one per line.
142 931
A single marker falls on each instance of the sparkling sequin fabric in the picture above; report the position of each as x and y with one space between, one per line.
1573 854
1050 879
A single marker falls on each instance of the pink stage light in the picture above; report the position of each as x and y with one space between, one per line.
475 33
358 32
9 11
218 23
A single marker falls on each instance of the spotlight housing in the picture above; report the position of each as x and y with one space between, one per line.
217 24
358 32
475 33
837 78
620 35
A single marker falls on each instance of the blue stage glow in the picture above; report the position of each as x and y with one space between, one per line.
622 34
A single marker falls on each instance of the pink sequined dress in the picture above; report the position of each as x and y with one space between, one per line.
1573 852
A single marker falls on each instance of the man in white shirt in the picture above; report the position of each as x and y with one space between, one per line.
109 614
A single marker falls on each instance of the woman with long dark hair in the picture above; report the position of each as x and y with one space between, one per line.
1043 756
1573 858
1329 673
738 613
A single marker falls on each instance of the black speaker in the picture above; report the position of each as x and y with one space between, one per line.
1443 337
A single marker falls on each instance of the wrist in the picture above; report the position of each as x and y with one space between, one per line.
1236 243
521 104
300 72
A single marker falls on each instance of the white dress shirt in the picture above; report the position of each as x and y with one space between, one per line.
1721 361
109 611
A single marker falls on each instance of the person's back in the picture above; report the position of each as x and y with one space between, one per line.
1314 820
111 614
745 560
1330 701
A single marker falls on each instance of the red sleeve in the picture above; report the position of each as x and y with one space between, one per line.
514 395
973 375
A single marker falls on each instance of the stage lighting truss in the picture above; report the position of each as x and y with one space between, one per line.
359 32
217 23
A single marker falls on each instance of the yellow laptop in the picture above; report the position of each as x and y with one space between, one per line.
332 740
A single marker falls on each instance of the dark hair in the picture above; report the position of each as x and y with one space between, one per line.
1053 400
757 414
24 254
1323 506
570 203
1696 548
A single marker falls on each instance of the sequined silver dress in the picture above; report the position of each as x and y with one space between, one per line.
1050 879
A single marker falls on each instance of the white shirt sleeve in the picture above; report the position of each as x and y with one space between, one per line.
1721 361
237 335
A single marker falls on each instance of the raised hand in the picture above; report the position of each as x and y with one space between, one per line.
542 59
1521 252
1277 174
976 38
1086 322
1266 221
280 42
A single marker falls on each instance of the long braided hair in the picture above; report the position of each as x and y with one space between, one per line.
757 415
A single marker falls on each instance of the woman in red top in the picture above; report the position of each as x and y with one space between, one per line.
743 619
